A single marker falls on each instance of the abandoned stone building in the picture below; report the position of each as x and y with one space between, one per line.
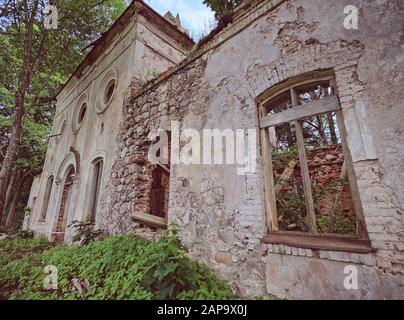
325 201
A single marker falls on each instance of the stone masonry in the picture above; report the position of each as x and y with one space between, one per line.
221 215
218 85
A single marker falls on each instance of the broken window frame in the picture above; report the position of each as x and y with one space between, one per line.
296 113
150 219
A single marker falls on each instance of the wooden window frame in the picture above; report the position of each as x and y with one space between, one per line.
150 220
337 242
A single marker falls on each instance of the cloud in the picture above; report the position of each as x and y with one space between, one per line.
194 15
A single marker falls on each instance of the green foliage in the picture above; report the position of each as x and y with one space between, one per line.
85 232
291 204
222 7
124 267
282 157
342 225
18 260
172 275
292 211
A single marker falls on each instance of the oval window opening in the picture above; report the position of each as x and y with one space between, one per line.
82 112
109 91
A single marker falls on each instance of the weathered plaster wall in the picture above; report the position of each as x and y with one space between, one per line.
33 197
222 214
96 136
155 51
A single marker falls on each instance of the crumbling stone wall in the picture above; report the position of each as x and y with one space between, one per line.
152 109
222 214
218 231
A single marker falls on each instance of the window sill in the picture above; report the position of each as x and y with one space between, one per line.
150 220
321 242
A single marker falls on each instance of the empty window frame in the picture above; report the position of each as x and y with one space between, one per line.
310 185
95 187
161 185
45 205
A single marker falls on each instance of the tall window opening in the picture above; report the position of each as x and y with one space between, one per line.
161 186
309 179
66 202
95 187
48 192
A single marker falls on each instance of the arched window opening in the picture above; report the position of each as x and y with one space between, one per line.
95 187
61 223
309 179
48 192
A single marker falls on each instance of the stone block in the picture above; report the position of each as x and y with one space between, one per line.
312 278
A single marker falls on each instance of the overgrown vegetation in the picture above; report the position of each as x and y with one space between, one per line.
85 232
123 267
290 199
343 225
222 7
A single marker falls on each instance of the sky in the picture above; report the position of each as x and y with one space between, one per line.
194 15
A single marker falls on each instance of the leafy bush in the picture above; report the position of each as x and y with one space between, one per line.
85 232
124 267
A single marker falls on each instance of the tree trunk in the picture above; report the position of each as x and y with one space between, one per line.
321 130
10 190
16 200
331 124
9 158
29 67
13 210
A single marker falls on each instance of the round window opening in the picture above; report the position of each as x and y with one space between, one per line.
82 113
109 91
